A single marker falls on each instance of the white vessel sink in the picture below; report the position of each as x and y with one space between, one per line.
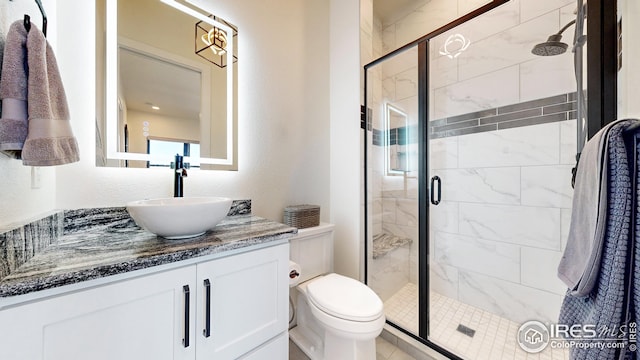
181 217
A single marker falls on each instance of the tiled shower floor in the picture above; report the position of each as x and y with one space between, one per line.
494 339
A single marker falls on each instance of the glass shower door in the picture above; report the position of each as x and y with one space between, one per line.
502 144
392 178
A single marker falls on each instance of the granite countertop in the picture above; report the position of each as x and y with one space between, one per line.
119 246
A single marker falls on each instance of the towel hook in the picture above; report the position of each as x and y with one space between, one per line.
27 19
44 17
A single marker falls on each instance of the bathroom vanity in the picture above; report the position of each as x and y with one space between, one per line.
122 293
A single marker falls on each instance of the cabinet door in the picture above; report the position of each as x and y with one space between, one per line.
142 318
248 302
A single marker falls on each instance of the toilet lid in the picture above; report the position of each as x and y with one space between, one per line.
345 298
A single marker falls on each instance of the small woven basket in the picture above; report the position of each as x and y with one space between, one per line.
302 216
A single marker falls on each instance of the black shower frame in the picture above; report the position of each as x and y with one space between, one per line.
602 58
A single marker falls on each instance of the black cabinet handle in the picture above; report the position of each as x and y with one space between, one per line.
207 309
435 179
186 292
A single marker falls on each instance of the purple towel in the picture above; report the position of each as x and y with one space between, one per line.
13 92
50 140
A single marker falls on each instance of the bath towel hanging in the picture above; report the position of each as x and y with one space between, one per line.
13 92
610 303
580 262
50 140
632 305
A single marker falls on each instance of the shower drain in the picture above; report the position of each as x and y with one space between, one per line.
466 330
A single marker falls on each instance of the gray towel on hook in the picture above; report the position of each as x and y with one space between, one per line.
602 307
580 263
13 92
50 140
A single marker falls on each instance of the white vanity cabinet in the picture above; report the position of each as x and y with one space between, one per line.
248 296
162 316
140 318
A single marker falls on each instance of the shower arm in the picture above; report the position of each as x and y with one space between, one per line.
566 26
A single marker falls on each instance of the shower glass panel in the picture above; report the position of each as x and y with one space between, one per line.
470 144
392 173
502 142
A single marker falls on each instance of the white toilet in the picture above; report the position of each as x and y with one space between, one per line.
337 317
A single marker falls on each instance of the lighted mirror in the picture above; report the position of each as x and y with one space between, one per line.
397 132
166 85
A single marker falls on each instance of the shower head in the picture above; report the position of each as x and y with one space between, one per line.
553 46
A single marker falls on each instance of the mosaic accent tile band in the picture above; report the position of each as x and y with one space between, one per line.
541 111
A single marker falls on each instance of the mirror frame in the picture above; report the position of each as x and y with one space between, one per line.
111 84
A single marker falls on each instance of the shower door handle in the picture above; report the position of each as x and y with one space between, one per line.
435 179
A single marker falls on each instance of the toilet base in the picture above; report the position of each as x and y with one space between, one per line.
334 347
345 349
310 345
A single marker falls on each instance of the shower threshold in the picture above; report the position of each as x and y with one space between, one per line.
494 337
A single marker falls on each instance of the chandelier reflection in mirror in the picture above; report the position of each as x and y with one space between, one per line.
455 45
211 42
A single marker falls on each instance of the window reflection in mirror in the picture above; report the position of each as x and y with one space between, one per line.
147 67
171 148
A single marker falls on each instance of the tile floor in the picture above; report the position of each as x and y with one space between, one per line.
402 308
295 353
494 338
385 350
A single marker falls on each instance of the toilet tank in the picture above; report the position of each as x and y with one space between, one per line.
312 249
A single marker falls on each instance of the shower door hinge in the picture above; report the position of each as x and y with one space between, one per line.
365 118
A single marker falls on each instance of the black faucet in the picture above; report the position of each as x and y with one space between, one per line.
180 171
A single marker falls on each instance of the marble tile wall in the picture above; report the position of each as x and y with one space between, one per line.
499 233
498 67
423 18
390 272
506 184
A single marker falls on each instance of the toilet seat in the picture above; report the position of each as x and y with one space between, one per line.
345 298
